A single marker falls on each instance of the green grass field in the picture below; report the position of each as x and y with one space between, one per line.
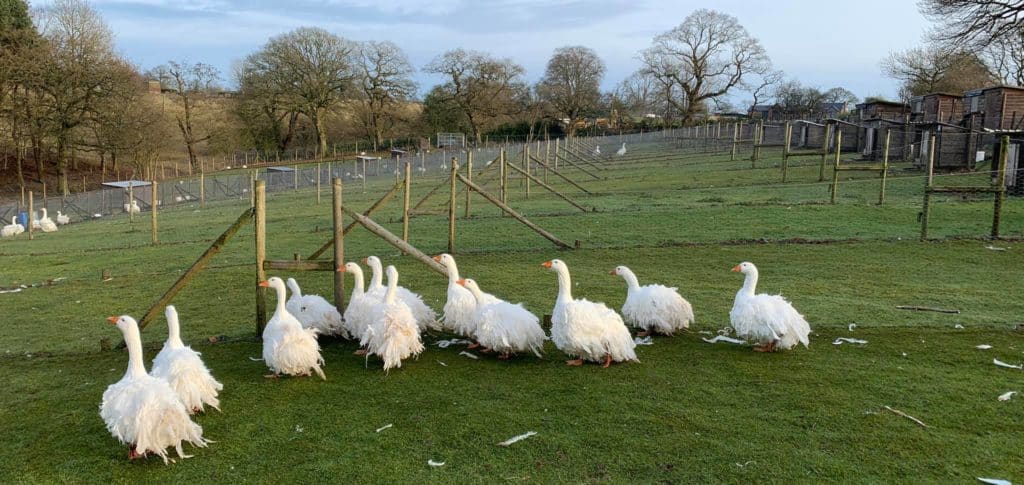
689 411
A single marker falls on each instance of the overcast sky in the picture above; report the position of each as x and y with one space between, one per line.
823 44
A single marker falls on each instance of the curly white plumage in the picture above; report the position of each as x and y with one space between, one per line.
654 308
359 313
505 327
287 347
184 370
769 320
143 411
393 335
426 318
314 311
588 330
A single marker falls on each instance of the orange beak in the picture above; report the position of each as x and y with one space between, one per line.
112 320
462 282
265 284
546 264
613 272
437 258
341 269
736 269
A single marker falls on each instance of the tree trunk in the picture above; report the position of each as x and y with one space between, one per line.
321 130
62 164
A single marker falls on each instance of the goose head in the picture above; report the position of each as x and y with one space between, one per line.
555 265
745 267
272 282
618 271
123 322
469 283
373 262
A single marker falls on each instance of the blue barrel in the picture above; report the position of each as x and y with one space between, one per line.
23 219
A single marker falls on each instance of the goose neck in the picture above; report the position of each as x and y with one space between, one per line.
631 282
132 340
749 283
281 295
174 332
564 285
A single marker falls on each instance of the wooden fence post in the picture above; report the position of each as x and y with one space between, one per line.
787 138
260 205
202 190
405 202
131 201
926 206
824 152
997 209
835 169
451 206
31 214
152 213
885 167
339 242
735 140
758 136
318 181
469 176
526 167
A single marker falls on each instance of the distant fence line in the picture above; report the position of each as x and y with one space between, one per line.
279 176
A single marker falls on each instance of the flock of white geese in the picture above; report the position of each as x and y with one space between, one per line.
151 411
44 224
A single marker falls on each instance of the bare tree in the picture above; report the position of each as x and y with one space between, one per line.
703 58
189 84
78 70
269 116
974 23
1005 57
313 69
485 89
385 84
572 83
930 69
763 85
637 93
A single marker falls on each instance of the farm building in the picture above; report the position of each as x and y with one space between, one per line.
937 107
871 138
881 109
951 145
991 108
765 112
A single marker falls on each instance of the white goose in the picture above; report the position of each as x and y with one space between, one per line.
653 308
12 229
287 347
62 219
313 311
143 411
393 335
425 316
133 207
504 327
461 304
46 224
359 313
588 330
597 151
769 320
184 370
622 150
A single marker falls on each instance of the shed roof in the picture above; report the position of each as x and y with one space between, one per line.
366 157
280 169
124 184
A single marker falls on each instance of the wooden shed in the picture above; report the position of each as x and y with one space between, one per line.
937 108
881 109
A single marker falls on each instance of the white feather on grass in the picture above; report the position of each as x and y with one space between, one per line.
723 338
983 347
1008 366
435 463
517 438
386 426
467 354
1007 396
841 340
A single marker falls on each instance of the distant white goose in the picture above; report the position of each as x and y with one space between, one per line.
585 329
597 151
426 318
460 306
313 311
133 207
62 219
769 320
622 150
505 327
653 308
12 229
359 313
287 347
46 224
184 370
143 411
394 334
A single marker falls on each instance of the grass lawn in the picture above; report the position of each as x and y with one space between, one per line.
689 411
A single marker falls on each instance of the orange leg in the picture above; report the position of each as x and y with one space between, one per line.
643 333
473 345
607 361
271 376
486 350
360 352
505 356
134 455
574 362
